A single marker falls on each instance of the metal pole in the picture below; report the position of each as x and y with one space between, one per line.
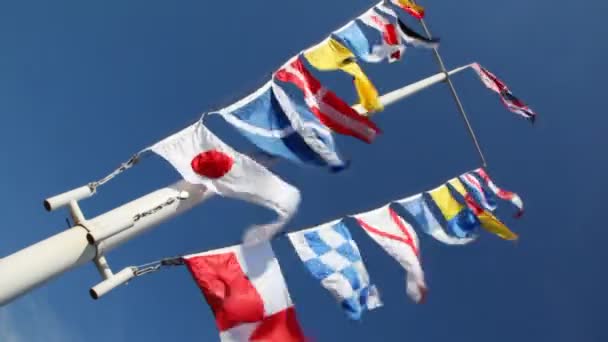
455 96
37 264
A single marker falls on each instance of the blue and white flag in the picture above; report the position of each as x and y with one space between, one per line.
282 128
393 38
417 207
371 52
479 193
332 256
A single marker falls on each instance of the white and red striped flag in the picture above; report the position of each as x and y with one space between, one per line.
247 293
501 193
332 111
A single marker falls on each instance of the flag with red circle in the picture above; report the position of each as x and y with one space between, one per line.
202 158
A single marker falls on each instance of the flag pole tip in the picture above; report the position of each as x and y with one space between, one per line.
93 294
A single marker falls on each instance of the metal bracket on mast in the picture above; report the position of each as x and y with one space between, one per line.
103 267
77 215
112 282
93 235
69 197
97 237
98 232
79 220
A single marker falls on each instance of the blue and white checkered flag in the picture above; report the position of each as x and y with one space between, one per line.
332 256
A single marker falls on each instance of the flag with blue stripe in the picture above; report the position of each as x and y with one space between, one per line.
481 195
353 37
278 126
332 256
368 50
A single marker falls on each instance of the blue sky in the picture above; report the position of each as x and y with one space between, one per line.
84 85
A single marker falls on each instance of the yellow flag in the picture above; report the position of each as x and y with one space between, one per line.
448 206
331 55
328 55
488 221
493 225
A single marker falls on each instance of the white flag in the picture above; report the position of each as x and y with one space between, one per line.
202 158
399 240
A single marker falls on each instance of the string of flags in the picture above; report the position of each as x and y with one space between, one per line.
293 116
300 128
249 297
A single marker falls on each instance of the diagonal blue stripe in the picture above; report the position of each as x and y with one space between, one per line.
264 113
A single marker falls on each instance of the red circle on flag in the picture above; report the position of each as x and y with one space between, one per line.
212 164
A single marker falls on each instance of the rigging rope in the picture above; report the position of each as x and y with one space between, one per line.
455 96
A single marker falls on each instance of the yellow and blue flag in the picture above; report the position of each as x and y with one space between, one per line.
486 219
458 219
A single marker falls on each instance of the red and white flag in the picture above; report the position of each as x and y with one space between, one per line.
202 158
247 293
512 103
390 35
501 193
395 34
400 241
332 111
